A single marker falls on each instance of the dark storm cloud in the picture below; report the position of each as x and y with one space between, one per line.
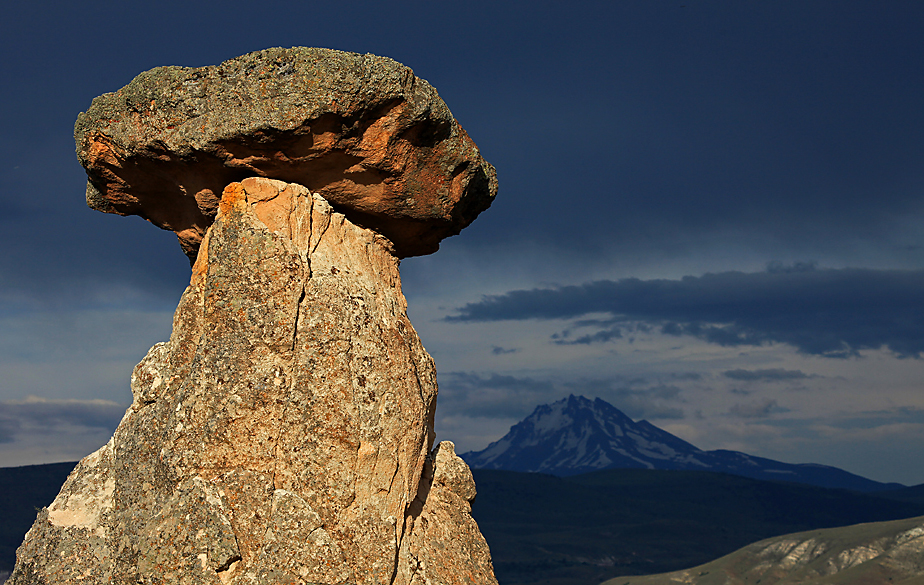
773 374
827 312
772 122
770 119
46 415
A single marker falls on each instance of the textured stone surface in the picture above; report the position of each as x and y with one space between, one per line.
284 432
374 140
444 543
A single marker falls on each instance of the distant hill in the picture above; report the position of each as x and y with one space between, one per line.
23 491
581 530
914 494
576 435
866 554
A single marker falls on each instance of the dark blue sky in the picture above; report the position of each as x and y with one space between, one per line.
687 189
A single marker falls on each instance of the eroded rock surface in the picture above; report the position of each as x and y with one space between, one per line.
375 141
284 433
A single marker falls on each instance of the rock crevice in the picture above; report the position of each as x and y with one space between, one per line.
247 458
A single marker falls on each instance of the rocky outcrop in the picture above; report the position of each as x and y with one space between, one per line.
865 554
362 131
282 435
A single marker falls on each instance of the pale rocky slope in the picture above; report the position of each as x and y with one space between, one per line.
878 553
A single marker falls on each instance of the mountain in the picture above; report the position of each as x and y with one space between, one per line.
865 554
577 435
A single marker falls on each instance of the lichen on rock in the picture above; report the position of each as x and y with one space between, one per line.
363 131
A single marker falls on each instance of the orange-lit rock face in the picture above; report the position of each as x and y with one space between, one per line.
284 433
374 140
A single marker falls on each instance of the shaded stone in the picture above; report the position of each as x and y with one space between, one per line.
284 433
375 141
443 543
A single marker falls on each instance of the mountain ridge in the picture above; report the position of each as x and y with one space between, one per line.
576 435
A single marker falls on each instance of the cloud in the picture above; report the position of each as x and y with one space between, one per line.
872 419
761 409
774 374
495 395
639 399
607 330
8 430
603 336
41 430
825 312
35 414
497 350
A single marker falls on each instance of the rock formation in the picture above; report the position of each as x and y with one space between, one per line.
362 131
284 433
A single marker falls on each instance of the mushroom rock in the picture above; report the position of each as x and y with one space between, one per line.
362 131
284 433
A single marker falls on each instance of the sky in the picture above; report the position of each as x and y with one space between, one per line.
710 215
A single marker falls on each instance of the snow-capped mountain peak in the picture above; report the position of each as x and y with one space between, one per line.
578 435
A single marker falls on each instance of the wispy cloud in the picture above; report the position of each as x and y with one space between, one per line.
761 409
872 419
497 350
47 415
495 395
42 430
825 312
772 375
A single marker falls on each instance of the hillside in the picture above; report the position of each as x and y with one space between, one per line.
867 554
581 530
23 490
